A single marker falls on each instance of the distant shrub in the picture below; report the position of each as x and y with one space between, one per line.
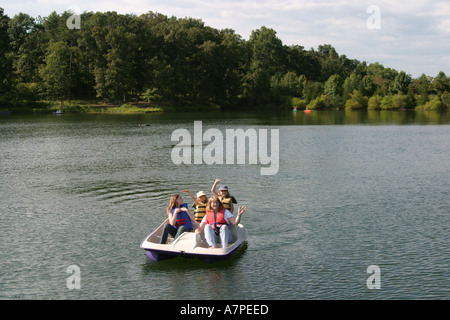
374 102
386 103
356 101
433 104
318 103
445 99
399 101
29 91
151 95
298 103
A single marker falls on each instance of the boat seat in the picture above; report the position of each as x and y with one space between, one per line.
157 238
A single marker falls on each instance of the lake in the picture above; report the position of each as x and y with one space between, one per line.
353 190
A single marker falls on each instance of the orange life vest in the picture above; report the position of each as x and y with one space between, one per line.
220 218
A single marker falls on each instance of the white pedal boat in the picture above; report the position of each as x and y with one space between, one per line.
190 244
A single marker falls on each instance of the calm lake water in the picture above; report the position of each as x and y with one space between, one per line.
353 189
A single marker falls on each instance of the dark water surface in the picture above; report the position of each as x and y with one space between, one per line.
353 189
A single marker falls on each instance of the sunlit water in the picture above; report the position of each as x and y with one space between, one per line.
353 190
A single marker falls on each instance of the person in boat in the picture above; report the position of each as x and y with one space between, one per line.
199 204
216 222
180 219
224 196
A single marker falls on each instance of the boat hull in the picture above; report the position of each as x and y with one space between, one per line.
158 255
192 245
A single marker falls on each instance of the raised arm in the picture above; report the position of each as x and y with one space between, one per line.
191 195
213 189
237 220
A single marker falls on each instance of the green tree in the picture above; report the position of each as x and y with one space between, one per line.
401 83
234 57
209 82
374 102
421 87
267 50
332 63
333 86
312 89
433 104
288 84
400 101
382 78
151 95
333 90
6 83
27 47
386 103
368 86
441 83
267 56
445 100
302 62
351 83
319 103
356 101
57 71
394 102
115 67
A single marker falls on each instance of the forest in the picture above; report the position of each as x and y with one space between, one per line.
176 62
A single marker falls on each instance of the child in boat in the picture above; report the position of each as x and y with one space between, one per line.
180 219
216 223
224 196
199 204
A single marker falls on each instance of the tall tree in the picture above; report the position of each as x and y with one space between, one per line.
6 81
401 82
57 72
267 57
421 87
441 83
333 86
303 62
234 58
115 66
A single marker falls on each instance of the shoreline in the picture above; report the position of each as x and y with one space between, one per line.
79 106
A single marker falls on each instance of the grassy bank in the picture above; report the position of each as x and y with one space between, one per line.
98 106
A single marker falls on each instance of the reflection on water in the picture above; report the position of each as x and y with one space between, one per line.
206 281
288 117
118 192
369 117
188 264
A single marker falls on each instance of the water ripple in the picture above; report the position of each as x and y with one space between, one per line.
118 192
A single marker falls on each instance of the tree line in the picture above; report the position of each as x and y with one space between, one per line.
177 61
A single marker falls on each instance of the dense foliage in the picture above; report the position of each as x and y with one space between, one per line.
175 61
